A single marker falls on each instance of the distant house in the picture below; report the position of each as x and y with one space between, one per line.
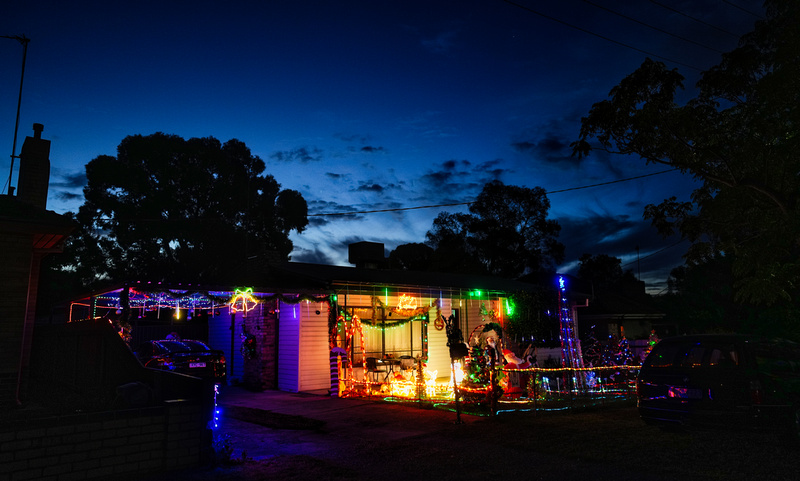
624 309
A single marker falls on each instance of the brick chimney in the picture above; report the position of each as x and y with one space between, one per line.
34 169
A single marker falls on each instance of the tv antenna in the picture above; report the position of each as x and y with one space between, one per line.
24 41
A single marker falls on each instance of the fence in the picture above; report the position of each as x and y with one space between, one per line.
531 389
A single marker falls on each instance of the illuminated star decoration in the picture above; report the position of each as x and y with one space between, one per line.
243 300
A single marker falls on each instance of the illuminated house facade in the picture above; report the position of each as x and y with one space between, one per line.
282 337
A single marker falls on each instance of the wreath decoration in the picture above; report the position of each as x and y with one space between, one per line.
248 345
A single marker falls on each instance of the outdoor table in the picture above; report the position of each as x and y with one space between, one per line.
390 363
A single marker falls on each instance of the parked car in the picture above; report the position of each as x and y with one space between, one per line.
184 356
722 380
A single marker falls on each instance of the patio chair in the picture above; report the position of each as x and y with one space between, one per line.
406 362
373 368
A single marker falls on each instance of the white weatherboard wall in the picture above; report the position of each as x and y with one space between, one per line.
438 352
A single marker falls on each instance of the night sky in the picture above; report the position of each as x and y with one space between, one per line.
370 105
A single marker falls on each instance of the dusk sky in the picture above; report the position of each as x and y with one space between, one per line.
370 105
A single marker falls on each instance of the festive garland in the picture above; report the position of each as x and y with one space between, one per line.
197 299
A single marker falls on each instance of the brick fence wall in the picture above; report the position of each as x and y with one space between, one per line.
100 445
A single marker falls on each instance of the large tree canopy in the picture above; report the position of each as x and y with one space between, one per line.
183 210
738 137
507 233
602 270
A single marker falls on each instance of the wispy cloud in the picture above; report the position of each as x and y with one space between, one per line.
302 155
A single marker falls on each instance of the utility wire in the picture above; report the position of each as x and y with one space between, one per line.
743 9
715 27
651 26
398 209
554 19
654 253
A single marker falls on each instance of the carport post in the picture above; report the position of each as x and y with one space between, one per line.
233 334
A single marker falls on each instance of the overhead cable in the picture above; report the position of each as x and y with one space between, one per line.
549 17
398 209
651 26
715 27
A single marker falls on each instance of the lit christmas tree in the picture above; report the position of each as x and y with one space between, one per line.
592 355
624 354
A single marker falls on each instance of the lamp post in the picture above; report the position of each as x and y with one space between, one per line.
24 41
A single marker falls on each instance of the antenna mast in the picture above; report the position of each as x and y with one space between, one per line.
24 41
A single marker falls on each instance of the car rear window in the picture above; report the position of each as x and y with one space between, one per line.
723 356
778 357
663 355
693 355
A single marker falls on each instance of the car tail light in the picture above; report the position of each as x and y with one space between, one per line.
756 393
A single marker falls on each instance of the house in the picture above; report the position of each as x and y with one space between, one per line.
28 232
626 310
280 335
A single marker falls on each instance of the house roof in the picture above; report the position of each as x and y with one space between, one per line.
49 229
337 277
621 302
315 279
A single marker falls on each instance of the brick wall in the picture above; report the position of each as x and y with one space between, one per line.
101 445
260 373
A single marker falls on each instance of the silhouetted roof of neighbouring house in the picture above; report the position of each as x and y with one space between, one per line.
622 300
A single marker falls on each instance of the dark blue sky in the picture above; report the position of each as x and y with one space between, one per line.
364 105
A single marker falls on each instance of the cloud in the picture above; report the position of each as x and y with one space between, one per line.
369 187
441 43
491 169
449 172
336 177
303 155
65 196
71 181
620 236
361 139
341 211
551 149
311 256
371 150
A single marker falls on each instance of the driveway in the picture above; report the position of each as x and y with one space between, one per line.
315 437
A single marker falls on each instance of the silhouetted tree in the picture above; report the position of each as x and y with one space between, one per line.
411 257
506 234
738 137
603 270
183 210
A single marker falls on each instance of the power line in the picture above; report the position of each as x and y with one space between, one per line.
654 253
562 22
399 209
743 9
715 27
651 26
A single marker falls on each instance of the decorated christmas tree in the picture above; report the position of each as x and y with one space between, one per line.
624 354
592 355
652 341
610 351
